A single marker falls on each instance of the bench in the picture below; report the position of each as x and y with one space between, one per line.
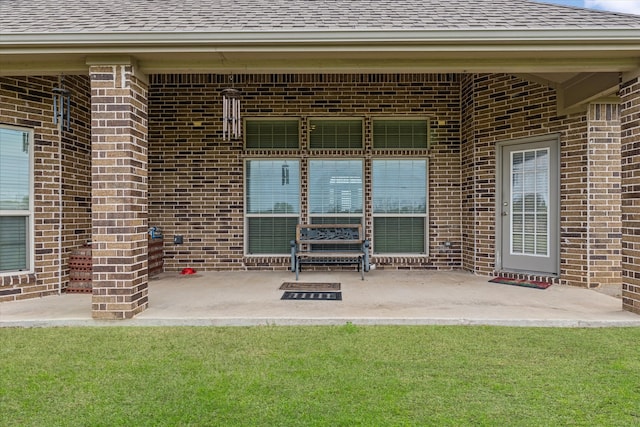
330 244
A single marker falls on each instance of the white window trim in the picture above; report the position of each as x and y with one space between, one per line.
30 213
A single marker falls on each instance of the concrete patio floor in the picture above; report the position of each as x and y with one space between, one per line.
383 298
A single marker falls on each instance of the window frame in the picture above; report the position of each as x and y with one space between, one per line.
305 162
248 215
424 215
27 214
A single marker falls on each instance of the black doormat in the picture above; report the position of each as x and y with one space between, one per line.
310 286
317 296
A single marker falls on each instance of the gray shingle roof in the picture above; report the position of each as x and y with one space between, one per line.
113 16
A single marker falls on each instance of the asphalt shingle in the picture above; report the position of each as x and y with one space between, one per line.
127 16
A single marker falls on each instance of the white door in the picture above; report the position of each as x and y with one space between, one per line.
528 207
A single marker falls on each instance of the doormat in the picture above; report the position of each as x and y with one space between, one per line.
316 296
309 286
521 282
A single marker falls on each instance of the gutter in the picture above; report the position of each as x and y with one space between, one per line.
468 37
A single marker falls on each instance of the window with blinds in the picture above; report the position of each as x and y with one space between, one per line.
15 199
400 134
336 188
400 206
266 134
336 194
335 134
272 196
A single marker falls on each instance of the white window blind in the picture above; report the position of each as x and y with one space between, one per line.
400 134
335 187
13 243
337 134
272 204
400 206
14 170
272 133
530 192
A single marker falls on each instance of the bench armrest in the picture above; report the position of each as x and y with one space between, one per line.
294 249
365 258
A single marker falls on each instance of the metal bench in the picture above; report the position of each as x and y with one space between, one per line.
330 244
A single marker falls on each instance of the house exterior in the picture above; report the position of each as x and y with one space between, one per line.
494 136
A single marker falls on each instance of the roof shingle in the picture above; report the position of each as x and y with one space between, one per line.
132 16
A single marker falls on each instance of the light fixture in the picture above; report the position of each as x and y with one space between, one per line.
62 106
231 124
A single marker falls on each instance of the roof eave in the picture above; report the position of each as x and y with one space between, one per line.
339 36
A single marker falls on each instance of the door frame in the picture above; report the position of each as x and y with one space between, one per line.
554 140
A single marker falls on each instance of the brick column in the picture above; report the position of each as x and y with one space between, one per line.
630 123
119 196
603 196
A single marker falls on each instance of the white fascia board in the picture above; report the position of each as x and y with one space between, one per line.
471 37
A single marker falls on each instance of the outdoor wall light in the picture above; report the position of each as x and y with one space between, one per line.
231 124
62 106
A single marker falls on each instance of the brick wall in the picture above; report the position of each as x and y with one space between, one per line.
468 170
630 123
603 201
27 102
502 108
196 178
119 191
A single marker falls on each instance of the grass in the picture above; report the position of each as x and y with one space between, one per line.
320 376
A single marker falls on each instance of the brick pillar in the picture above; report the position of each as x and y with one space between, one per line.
603 201
119 196
468 173
630 123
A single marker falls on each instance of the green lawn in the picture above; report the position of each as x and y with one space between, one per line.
320 376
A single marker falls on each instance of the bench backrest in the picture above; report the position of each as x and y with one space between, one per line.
329 234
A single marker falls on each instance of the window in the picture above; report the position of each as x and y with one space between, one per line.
530 194
335 194
335 190
400 134
15 199
272 133
272 205
399 206
336 134
334 186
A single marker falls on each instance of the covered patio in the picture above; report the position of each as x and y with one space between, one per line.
383 298
142 141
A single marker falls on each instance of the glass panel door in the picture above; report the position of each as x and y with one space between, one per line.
528 211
